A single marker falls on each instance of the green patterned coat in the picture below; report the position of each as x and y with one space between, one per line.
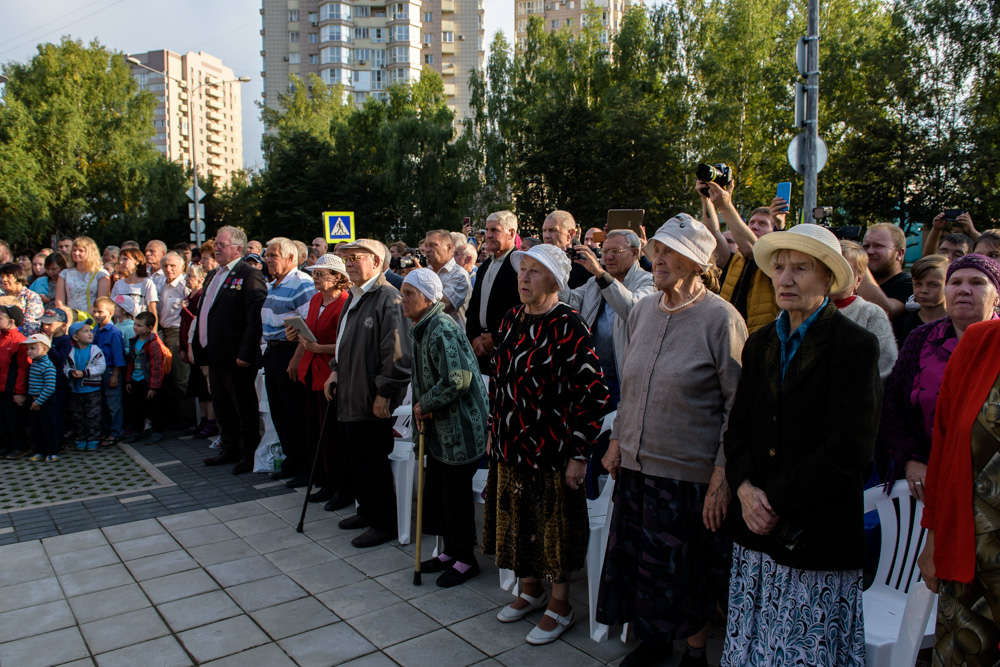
447 383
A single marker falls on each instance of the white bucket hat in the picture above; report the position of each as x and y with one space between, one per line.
809 239
330 262
552 258
685 235
427 282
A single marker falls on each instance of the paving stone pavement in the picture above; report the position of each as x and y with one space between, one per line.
221 578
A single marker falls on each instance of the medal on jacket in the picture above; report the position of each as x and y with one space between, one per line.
239 283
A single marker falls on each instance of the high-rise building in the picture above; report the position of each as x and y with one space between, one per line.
367 46
567 15
205 110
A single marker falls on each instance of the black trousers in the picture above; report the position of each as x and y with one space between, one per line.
236 409
43 427
368 445
331 468
449 508
286 399
12 422
86 410
137 407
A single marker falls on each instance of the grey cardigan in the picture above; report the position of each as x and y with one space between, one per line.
621 296
374 353
680 373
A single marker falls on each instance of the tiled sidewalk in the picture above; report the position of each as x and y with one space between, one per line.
236 585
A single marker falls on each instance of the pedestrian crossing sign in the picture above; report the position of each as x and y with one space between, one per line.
339 226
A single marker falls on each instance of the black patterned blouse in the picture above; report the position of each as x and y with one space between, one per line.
548 397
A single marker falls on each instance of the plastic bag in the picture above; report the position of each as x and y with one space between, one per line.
268 457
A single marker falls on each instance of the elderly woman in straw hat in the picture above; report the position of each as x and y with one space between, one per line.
548 398
800 434
450 400
667 560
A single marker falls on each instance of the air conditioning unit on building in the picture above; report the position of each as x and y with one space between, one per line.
461 38
362 62
315 24
285 59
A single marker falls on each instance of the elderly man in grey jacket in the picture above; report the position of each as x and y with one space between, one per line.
606 300
371 371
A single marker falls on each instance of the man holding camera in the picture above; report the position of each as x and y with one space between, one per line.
606 299
559 229
440 251
743 285
952 244
495 291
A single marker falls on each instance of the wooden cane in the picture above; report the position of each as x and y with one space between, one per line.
420 502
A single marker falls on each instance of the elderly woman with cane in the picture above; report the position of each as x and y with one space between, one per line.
449 401
800 436
548 400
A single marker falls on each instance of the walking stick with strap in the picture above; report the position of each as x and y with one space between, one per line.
312 471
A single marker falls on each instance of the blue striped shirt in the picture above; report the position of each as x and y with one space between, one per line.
290 297
41 379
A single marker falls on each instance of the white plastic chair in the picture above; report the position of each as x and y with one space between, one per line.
900 612
404 465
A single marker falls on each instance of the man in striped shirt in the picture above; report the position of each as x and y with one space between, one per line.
287 295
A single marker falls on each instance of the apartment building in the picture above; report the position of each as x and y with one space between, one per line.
368 46
204 110
567 15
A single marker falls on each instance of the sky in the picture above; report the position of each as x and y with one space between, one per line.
227 29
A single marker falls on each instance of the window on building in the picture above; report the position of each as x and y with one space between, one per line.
378 79
399 54
378 35
399 33
314 17
335 10
530 7
378 57
361 33
362 54
447 37
293 15
360 97
428 59
555 24
335 54
522 25
314 38
428 17
481 43
313 58
294 58
569 23
428 38
362 11
335 33
398 11
378 13
293 37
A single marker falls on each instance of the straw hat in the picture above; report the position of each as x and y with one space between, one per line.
330 262
809 239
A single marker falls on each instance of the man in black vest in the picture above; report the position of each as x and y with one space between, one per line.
227 339
495 291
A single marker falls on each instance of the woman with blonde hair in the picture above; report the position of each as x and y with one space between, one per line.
80 285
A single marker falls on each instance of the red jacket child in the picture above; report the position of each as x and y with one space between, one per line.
13 363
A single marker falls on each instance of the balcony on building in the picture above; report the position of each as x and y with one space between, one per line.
214 150
448 69
449 89
447 6
182 108
448 48
182 95
214 139
214 161
213 115
213 127
213 104
212 91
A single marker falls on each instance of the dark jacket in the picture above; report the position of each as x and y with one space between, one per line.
806 442
374 354
502 297
234 326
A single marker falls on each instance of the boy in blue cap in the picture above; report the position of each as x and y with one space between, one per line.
54 322
85 368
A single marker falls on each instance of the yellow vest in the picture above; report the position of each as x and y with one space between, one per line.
762 309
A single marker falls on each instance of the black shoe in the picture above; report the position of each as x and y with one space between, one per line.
221 459
373 537
353 522
282 474
242 467
453 577
296 483
687 660
648 653
435 565
338 502
322 495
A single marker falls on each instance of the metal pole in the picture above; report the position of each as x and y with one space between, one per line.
199 236
809 195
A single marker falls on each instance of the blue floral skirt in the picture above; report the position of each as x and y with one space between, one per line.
779 615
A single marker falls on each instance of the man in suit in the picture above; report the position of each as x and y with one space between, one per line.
227 339
495 291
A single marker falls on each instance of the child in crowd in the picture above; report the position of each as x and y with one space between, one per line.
54 326
45 286
41 393
85 369
928 275
13 383
112 344
125 310
145 377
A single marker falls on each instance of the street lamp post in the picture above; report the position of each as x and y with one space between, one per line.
198 230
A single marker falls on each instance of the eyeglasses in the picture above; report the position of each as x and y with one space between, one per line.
615 251
224 245
356 257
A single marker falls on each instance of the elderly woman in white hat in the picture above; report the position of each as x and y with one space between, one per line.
312 359
548 400
800 435
450 400
666 562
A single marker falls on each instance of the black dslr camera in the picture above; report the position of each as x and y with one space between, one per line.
411 257
720 173
821 214
573 255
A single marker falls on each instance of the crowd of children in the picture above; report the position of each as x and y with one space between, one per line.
93 378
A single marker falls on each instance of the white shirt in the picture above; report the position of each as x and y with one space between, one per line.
488 276
457 288
172 303
211 292
159 280
357 293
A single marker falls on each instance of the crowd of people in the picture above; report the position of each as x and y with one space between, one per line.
760 379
